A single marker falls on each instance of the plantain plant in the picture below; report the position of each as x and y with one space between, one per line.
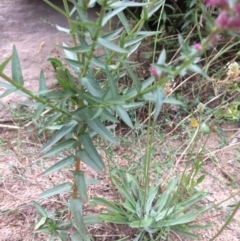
84 104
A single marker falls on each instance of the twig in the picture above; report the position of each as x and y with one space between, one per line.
9 127
176 235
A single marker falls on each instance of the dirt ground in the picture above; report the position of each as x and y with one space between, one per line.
20 164
20 184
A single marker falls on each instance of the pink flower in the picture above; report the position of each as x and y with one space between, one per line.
218 3
222 20
237 8
197 47
234 22
227 21
215 39
153 71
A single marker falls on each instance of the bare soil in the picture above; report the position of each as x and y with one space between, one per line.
21 183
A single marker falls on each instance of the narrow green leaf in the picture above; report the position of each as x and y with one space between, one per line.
64 236
69 143
66 129
86 158
119 100
129 206
146 83
162 201
42 82
135 79
113 34
40 209
4 64
186 234
92 85
124 190
81 184
76 210
196 69
53 119
133 41
96 113
77 237
65 30
165 213
111 14
90 149
189 202
90 98
200 179
91 219
56 63
172 101
108 116
16 68
8 92
97 126
114 218
64 163
112 83
30 104
133 105
77 49
124 21
6 85
82 40
110 45
60 94
71 56
41 223
146 222
65 187
133 48
162 57
187 218
97 63
156 6
183 44
65 79
124 115
109 204
160 95
39 110
118 4
151 196
147 33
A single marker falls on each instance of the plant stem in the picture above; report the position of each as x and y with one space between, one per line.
93 45
227 222
33 96
77 169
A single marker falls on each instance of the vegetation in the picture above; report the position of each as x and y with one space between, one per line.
94 95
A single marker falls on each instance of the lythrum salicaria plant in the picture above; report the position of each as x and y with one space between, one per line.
82 107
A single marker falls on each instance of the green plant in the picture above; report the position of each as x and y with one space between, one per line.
83 105
156 213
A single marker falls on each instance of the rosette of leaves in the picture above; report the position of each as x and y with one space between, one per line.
154 214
